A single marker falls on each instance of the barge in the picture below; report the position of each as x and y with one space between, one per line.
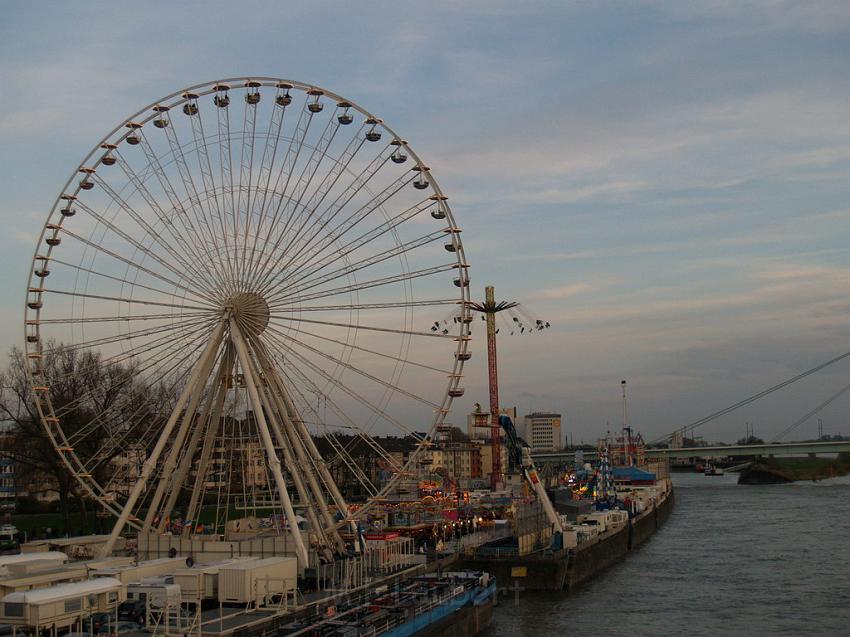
586 552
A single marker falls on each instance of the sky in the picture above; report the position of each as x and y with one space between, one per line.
666 183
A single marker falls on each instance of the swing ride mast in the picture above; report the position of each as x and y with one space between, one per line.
489 309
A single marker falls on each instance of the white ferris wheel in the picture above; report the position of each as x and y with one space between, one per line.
250 264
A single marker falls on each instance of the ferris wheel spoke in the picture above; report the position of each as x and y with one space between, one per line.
341 363
225 155
169 353
127 336
127 356
180 212
372 283
330 437
366 350
338 168
104 297
356 326
324 219
273 135
301 271
362 264
137 266
135 284
375 409
297 309
169 360
287 169
98 426
356 430
119 318
249 123
129 240
146 227
308 172
200 212
205 167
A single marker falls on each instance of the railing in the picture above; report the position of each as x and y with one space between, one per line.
497 551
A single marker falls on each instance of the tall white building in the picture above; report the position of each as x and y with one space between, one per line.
542 431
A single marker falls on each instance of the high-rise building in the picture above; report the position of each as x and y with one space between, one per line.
542 431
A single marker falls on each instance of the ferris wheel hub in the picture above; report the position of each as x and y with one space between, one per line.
251 312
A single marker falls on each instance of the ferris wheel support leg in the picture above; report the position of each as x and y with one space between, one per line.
189 455
209 440
170 463
150 462
310 445
284 445
274 461
298 444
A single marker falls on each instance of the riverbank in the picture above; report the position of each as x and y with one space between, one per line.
783 470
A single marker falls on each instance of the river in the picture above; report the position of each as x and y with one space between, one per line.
731 560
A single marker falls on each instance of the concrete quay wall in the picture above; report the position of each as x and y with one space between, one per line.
645 524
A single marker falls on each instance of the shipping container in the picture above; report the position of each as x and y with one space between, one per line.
200 582
257 580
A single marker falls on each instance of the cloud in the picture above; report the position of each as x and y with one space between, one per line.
560 293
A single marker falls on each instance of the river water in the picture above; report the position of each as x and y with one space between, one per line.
731 560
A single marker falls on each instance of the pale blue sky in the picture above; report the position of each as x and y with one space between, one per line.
667 183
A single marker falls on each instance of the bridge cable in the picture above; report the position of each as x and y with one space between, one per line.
751 399
803 419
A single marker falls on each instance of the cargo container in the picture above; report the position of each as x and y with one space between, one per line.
258 580
201 581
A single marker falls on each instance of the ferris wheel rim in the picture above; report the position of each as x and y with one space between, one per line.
144 115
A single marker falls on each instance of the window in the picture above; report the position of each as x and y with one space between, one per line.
73 605
113 597
14 610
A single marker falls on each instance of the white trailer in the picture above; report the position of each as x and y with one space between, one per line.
141 570
200 582
61 606
255 582
22 563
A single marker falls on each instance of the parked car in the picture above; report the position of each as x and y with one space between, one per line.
132 611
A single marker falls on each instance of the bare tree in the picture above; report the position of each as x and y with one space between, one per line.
102 406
